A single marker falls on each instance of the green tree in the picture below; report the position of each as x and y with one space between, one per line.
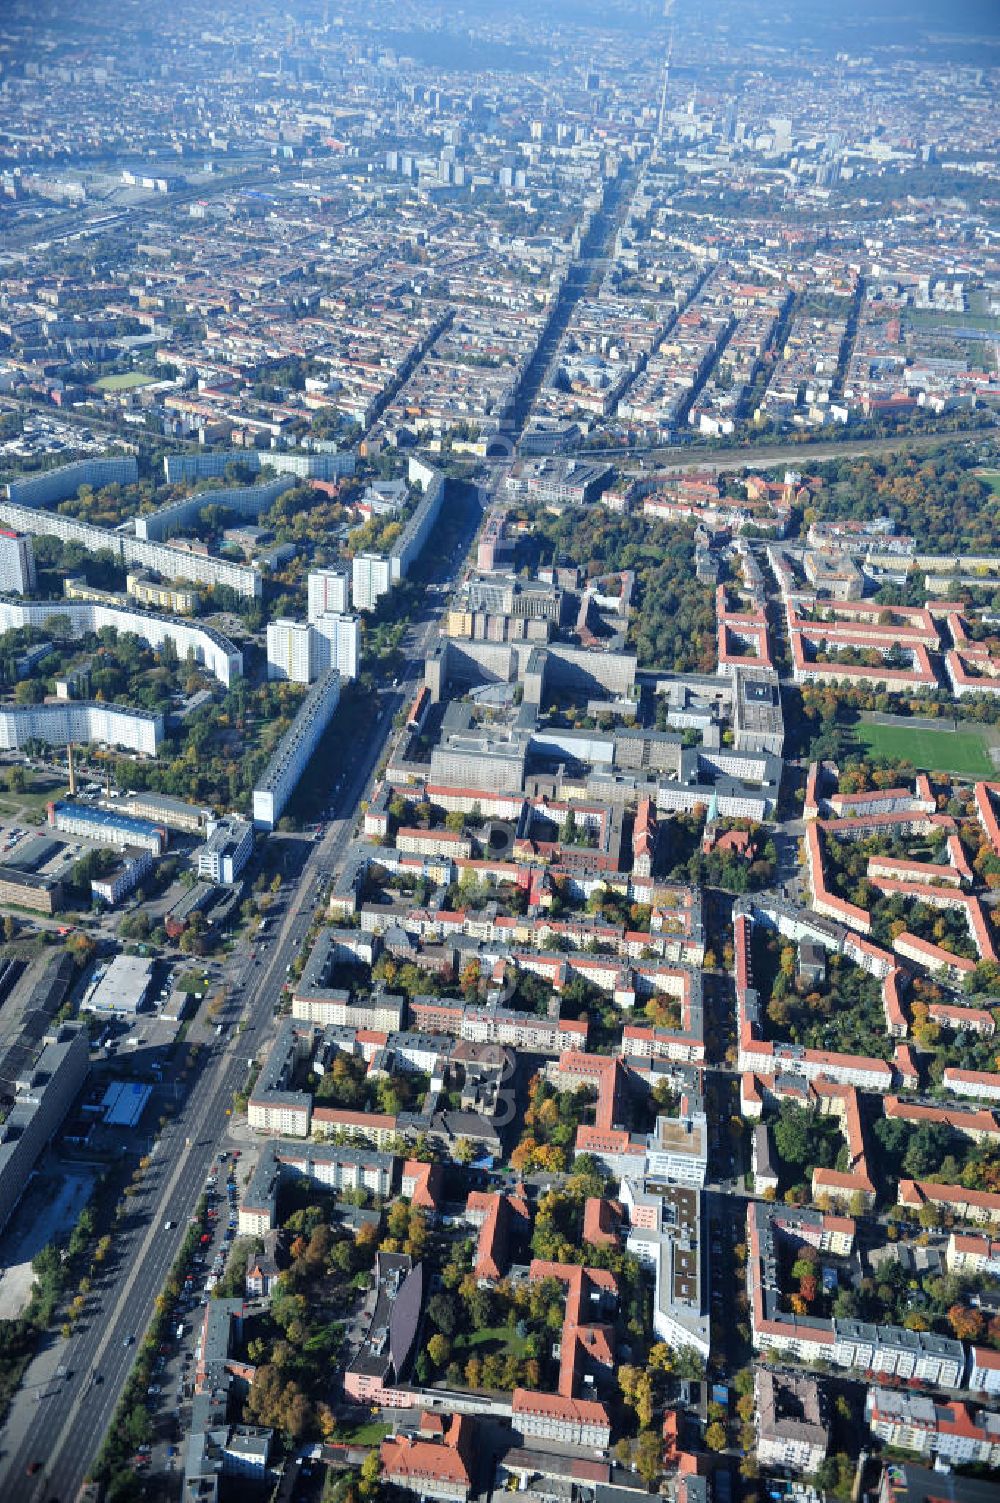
439 1349
368 1477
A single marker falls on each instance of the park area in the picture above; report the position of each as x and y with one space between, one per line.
963 752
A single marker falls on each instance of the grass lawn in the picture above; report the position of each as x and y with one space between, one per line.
961 752
28 805
992 479
124 382
363 1435
498 1339
930 318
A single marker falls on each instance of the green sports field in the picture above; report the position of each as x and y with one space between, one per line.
122 383
961 752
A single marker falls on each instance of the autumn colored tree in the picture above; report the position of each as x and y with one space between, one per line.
966 1324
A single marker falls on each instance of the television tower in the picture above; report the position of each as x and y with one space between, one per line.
662 116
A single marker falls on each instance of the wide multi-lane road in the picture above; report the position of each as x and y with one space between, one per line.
64 1428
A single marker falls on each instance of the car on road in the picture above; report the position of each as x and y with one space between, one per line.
128 1341
33 1467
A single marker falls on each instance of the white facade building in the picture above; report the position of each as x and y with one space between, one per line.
329 590
226 851
59 484
371 578
82 722
294 750
336 643
17 563
217 654
289 651
110 889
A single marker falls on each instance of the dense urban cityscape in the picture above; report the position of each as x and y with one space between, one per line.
499 752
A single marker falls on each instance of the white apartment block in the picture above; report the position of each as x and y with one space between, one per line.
339 1168
294 750
17 563
380 1013
677 1150
226 851
216 653
160 558
329 590
930 1359
284 1112
82 722
984 1370
371 578
289 651
951 1432
61 483
117 884
336 643
322 464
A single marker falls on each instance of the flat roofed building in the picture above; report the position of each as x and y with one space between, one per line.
294 750
126 876
17 563
336 643
83 722
226 851
121 989
289 654
371 578
107 827
43 1094
329 590
25 889
758 721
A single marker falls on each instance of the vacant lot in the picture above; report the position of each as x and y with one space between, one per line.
961 752
50 1208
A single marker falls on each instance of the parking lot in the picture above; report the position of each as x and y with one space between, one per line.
170 1392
